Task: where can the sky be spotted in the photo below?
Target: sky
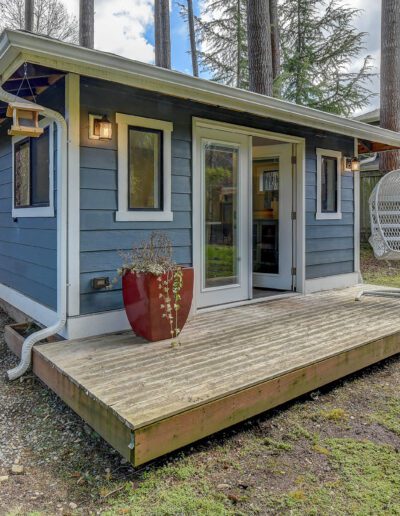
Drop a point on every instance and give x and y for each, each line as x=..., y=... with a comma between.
x=125, y=27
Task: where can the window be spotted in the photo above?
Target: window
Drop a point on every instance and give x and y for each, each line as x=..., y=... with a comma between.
x=33, y=176
x=328, y=184
x=144, y=169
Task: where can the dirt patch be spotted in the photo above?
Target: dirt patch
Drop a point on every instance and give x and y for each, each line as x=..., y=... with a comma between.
x=333, y=452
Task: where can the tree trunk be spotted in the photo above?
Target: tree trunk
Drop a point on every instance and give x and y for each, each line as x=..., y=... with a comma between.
x=275, y=44
x=86, y=23
x=192, y=36
x=29, y=7
x=390, y=78
x=259, y=47
x=162, y=33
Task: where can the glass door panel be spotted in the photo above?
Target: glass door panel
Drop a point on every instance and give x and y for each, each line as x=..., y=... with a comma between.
x=221, y=241
x=221, y=215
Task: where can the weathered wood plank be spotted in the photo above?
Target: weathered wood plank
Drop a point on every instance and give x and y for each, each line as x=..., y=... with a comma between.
x=170, y=434
x=100, y=417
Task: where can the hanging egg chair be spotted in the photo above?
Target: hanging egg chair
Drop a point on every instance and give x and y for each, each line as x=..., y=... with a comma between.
x=384, y=210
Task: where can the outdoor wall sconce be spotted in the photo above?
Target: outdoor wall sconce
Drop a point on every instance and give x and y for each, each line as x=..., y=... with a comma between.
x=351, y=164
x=355, y=165
x=100, y=127
x=25, y=117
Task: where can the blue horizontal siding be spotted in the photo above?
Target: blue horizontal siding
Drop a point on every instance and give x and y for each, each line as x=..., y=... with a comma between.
x=28, y=246
x=102, y=236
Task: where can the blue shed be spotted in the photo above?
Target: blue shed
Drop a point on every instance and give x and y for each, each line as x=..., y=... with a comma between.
x=253, y=191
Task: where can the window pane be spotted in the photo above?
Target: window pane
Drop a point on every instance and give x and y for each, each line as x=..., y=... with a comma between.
x=329, y=168
x=22, y=174
x=221, y=214
x=40, y=169
x=145, y=169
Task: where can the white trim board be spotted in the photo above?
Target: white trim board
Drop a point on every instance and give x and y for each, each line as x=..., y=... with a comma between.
x=100, y=323
x=35, y=211
x=124, y=214
x=17, y=47
x=72, y=111
x=331, y=282
x=322, y=215
x=357, y=216
x=28, y=306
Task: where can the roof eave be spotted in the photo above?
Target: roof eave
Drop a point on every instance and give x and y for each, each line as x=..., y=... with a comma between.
x=102, y=65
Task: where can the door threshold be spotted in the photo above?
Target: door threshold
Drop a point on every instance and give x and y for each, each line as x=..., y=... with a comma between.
x=253, y=301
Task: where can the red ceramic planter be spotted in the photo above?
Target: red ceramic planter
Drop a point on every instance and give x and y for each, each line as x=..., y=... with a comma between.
x=142, y=304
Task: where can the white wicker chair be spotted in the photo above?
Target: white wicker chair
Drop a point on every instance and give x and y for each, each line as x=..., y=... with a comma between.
x=384, y=209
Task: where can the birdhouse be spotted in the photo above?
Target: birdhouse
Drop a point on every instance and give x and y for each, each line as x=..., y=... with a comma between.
x=25, y=117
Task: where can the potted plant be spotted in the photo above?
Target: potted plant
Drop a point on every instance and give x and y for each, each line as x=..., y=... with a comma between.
x=157, y=292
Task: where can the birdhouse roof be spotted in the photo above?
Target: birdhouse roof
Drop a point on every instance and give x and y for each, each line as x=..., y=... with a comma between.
x=23, y=105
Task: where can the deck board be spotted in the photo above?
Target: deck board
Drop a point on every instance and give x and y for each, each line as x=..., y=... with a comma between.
x=224, y=354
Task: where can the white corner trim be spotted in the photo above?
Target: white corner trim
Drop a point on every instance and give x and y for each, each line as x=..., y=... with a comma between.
x=357, y=215
x=319, y=215
x=28, y=306
x=100, y=323
x=35, y=211
x=124, y=214
x=331, y=282
x=72, y=115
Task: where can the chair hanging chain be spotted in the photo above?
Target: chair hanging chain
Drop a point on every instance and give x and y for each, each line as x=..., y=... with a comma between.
x=25, y=78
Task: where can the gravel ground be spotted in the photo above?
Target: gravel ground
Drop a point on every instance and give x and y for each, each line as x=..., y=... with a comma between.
x=65, y=464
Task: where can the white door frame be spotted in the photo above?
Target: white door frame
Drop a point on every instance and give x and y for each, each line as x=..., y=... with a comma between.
x=283, y=279
x=299, y=200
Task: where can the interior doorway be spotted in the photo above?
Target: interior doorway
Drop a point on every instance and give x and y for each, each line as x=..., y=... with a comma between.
x=272, y=214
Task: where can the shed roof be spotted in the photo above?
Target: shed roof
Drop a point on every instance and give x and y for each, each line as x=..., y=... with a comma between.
x=19, y=47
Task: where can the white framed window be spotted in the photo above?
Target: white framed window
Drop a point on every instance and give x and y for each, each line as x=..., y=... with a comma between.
x=329, y=199
x=144, y=169
x=33, y=174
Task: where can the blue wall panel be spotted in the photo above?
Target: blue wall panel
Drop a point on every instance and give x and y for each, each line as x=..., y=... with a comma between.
x=28, y=246
x=329, y=244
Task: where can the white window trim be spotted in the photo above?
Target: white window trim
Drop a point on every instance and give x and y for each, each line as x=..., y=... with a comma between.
x=331, y=154
x=36, y=211
x=123, y=213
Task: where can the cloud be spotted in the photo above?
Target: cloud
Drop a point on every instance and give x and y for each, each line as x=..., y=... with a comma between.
x=120, y=27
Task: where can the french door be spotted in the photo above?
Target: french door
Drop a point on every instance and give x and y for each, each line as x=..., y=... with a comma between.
x=221, y=221
x=272, y=217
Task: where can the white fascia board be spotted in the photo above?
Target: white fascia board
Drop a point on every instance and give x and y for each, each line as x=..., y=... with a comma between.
x=93, y=63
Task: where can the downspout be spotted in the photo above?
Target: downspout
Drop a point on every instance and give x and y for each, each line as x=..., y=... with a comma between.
x=62, y=172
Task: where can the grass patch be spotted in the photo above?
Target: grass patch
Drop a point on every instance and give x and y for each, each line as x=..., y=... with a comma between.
x=336, y=414
x=171, y=490
x=378, y=272
x=277, y=445
x=389, y=416
x=368, y=480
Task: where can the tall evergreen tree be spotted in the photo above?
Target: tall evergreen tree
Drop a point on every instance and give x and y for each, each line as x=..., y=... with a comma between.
x=259, y=47
x=222, y=33
x=319, y=43
x=162, y=33
x=390, y=78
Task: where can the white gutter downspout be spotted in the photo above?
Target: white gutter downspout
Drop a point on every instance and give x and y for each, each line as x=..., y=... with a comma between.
x=62, y=172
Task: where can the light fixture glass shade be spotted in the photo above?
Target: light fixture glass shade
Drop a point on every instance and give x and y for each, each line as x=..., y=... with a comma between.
x=103, y=128
x=355, y=165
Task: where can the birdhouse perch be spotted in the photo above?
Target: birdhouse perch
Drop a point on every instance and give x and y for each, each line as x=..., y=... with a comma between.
x=25, y=117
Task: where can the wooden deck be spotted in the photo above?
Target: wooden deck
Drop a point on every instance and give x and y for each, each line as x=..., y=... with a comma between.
x=147, y=399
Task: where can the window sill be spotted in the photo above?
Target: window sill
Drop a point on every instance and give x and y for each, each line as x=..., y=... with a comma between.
x=328, y=216
x=34, y=212
x=144, y=216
